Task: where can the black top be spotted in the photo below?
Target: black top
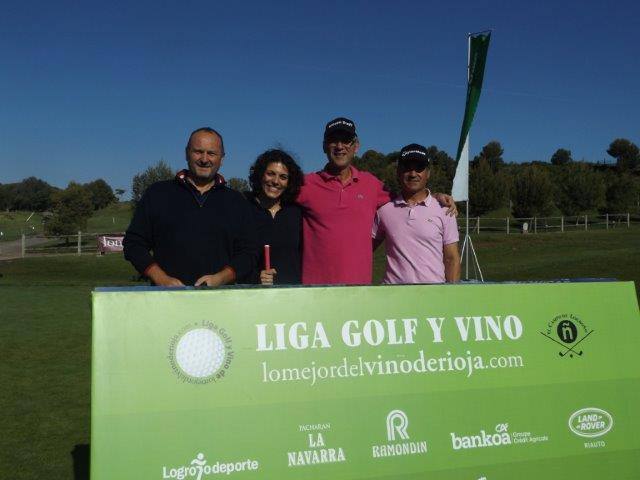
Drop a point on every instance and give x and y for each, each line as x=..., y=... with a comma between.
x=189, y=234
x=283, y=234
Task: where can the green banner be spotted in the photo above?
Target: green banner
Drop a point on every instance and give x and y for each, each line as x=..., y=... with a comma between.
x=478, y=48
x=496, y=381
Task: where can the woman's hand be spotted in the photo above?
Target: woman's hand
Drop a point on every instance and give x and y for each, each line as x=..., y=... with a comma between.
x=267, y=276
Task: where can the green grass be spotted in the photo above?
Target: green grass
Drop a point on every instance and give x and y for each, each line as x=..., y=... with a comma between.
x=611, y=253
x=14, y=224
x=45, y=373
x=45, y=331
x=112, y=219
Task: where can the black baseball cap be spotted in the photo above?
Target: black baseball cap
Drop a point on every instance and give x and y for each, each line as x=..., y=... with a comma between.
x=340, y=126
x=414, y=153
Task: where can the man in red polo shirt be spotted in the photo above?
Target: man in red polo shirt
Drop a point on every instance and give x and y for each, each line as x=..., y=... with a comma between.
x=339, y=204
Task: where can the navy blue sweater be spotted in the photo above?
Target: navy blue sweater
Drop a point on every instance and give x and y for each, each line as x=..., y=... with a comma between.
x=283, y=233
x=190, y=235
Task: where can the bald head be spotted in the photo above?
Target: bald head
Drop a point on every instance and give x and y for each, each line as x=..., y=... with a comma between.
x=205, y=130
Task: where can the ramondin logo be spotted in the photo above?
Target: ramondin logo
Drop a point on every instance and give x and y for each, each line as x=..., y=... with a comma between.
x=397, y=423
x=199, y=468
x=201, y=353
x=590, y=422
x=568, y=331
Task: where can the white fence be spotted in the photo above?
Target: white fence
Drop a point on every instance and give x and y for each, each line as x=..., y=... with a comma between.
x=82, y=242
x=29, y=245
x=561, y=224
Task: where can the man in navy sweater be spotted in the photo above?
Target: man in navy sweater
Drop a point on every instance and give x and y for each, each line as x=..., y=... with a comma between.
x=193, y=230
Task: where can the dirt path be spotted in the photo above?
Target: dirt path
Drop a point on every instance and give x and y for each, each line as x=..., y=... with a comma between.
x=13, y=249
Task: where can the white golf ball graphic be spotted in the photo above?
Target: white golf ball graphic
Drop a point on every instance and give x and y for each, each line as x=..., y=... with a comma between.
x=200, y=352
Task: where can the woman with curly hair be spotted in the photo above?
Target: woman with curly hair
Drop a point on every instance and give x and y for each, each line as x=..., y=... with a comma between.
x=275, y=180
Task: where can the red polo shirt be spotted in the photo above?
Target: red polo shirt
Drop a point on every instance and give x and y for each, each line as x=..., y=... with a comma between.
x=336, y=227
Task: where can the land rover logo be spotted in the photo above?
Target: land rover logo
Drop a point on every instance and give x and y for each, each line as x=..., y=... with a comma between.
x=590, y=422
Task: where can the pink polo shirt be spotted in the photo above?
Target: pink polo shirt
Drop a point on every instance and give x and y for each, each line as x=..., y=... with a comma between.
x=336, y=227
x=415, y=238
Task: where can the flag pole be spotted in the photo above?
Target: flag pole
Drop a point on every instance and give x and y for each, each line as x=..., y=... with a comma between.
x=465, y=245
x=475, y=73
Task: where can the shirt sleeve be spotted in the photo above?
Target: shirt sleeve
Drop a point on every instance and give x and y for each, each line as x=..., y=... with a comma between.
x=301, y=199
x=138, y=240
x=245, y=250
x=449, y=228
x=377, y=231
x=383, y=196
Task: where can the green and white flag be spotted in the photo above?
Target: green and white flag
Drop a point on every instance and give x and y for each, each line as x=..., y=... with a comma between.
x=478, y=48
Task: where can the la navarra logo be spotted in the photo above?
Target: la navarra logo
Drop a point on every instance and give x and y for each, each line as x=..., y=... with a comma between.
x=569, y=332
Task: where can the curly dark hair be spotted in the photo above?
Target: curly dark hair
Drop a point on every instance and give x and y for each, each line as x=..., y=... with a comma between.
x=296, y=177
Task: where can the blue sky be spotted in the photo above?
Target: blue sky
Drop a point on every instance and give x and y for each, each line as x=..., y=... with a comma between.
x=103, y=90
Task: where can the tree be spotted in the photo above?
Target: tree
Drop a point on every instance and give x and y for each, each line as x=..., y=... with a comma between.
x=142, y=181
x=4, y=197
x=580, y=189
x=621, y=194
x=31, y=194
x=239, y=184
x=381, y=165
x=626, y=154
x=101, y=193
x=492, y=152
x=442, y=168
x=72, y=208
x=487, y=190
x=532, y=192
x=561, y=156
x=372, y=162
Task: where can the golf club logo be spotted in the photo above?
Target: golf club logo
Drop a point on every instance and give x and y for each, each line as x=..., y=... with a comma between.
x=569, y=332
x=201, y=353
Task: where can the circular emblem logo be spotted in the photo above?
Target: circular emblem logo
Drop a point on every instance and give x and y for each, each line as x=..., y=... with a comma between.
x=567, y=331
x=201, y=353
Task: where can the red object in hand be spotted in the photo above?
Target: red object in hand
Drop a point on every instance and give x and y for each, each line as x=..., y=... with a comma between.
x=267, y=257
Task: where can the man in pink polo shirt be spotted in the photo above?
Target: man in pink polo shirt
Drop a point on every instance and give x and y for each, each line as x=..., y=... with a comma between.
x=338, y=206
x=421, y=239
